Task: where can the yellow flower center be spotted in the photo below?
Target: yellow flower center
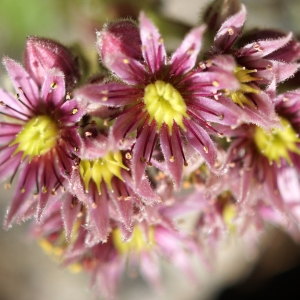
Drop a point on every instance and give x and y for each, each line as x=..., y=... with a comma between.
x=37, y=137
x=104, y=168
x=164, y=104
x=243, y=76
x=138, y=242
x=278, y=142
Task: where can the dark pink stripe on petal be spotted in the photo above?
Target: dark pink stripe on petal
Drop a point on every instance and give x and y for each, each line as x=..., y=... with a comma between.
x=21, y=79
x=53, y=89
x=230, y=30
x=201, y=141
x=173, y=157
x=184, y=58
x=153, y=48
x=110, y=94
x=24, y=191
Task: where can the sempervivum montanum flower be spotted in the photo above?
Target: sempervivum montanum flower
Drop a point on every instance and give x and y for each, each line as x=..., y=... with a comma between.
x=108, y=261
x=258, y=158
x=38, y=137
x=160, y=98
x=104, y=184
x=256, y=65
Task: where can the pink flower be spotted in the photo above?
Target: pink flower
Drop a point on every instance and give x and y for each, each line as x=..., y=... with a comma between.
x=38, y=135
x=159, y=98
x=255, y=65
x=103, y=182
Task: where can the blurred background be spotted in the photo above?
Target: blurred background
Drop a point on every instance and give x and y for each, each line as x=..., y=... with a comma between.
x=26, y=272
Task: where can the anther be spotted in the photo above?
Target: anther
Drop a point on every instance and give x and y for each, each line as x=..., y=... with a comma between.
x=143, y=159
x=44, y=190
x=53, y=85
x=22, y=190
x=230, y=31
x=128, y=155
x=104, y=99
x=205, y=149
x=88, y=133
x=68, y=96
x=221, y=116
x=126, y=61
x=161, y=41
x=7, y=186
x=172, y=158
x=74, y=111
x=215, y=83
x=257, y=47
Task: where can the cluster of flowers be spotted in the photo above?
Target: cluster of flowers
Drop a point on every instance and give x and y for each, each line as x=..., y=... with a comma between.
x=108, y=166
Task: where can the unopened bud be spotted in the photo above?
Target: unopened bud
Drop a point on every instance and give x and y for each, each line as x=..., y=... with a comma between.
x=42, y=54
x=218, y=11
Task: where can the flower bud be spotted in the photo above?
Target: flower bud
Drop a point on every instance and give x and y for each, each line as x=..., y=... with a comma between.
x=119, y=37
x=42, y=54
x=218, y=11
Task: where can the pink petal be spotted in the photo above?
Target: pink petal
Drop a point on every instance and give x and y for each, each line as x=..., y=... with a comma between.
x=22, y=200
x=70, y=210
x=174, y=158
x=110, y=94
x=71, y=112
x=263, y=48
x=21, y=79
x=8, y=132
x=201, y=141
x=53, y=89
x=99, y=218
x=185, y=57
x=230, y=30
x=144, y=189
x=12, y=107
x=153, y=48
x=283, y=71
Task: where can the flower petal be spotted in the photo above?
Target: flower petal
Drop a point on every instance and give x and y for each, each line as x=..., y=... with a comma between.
x=70, y=210
x=29, y=92
x=153, y=48
x=53, y=89
x=24, y=190
x=12, y=107
x=263, y=48
x=230, y=30
x=172, y=154
x=201, y=141
x=185, y=57
x=110, y=94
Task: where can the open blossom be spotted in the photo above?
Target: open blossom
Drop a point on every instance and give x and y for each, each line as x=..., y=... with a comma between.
x=106, y=262
x=255, y=65
x=104, y=184
x=159, y=98
x=38, y=135
x=258, y=159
